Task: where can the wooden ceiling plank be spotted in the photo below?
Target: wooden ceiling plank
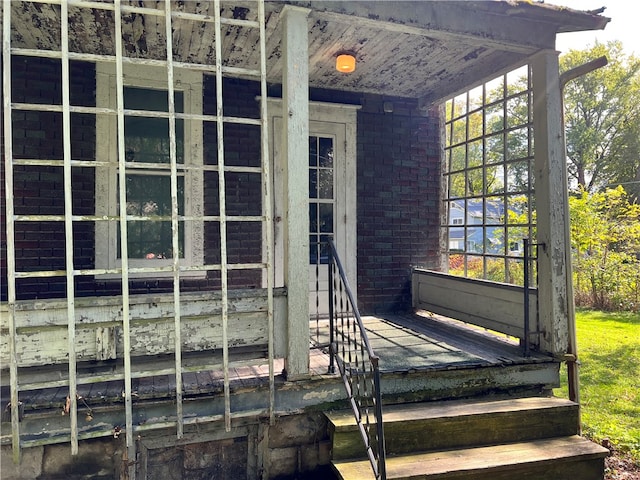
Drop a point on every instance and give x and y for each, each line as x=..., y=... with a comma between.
x=525, y=37
x=494, y=65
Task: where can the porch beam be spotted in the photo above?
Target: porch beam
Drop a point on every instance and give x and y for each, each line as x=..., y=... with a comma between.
x=295, y=141
x=551, y=193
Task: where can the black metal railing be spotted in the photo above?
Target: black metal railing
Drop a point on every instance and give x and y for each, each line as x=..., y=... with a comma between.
x=528, y=258
x=357, y=363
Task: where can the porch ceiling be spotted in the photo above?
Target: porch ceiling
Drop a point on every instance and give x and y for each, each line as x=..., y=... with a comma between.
x=428, y=50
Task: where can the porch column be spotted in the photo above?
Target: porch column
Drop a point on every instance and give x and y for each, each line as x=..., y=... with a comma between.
x=551, y=203
x=295, y=113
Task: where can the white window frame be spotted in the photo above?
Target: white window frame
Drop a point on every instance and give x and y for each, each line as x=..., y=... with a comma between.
x=190, y=83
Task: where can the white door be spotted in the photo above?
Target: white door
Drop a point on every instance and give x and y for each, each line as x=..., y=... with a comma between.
x=326, y=163
x=332, y=198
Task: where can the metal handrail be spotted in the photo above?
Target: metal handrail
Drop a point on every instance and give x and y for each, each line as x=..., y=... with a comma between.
x=358, y=364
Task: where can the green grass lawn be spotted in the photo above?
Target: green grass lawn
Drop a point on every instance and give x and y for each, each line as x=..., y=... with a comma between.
x=609, y=352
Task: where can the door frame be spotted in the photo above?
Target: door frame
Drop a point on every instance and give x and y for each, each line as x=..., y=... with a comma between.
x=340, y=120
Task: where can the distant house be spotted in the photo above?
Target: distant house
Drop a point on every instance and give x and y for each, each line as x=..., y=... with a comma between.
x=477, y=231
x=215, y=233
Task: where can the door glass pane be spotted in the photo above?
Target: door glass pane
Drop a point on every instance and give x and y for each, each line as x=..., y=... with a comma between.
x=326, y=152
x=325, y=183
x=321, y=197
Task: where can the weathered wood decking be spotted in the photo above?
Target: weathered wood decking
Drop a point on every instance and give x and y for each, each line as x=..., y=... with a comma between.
x=422, y=357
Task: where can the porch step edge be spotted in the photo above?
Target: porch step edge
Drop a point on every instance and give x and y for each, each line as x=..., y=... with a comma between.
x=459, y=424
x=344, y=419
x=563, y=458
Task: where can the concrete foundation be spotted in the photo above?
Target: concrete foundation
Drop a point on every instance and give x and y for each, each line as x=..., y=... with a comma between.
x=294, y=445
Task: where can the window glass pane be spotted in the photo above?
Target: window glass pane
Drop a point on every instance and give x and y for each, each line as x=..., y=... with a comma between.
x=518, y=210
x=475, y=267
x=495, y=149
x=493, y=211
x=518, y=144
x=458, y=160
x=150, y=196
x=457, y=185
x=456, y=239
x=494, y=240
x=475, y=154
x=517, y=176
x=517, y=111
x=456, y=213
x=475, y=182
x=495, y=269
x=475, y=98
x=147, y=139
x=494, y=180
x=460, y=104
x=459, y=131
x=494, y=89
x=494, y=118
x=475, y=124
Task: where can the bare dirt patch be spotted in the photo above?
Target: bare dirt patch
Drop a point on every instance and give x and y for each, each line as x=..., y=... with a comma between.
x=620, y=466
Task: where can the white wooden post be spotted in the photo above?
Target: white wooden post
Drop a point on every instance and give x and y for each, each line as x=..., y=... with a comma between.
x=551, y=192
x=296, y=152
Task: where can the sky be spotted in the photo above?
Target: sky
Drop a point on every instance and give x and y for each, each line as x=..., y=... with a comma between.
x=623, y=26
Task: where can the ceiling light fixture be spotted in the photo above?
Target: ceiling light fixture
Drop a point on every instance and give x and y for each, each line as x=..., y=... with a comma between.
x=345, y=62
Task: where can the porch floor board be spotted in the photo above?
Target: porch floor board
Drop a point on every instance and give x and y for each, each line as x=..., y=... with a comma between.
x=436, y=342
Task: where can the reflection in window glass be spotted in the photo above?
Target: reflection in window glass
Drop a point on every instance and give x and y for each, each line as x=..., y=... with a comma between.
x=149, y=189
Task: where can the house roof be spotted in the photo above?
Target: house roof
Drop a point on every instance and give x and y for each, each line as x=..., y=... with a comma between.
x=427, y=50
x=493, y=209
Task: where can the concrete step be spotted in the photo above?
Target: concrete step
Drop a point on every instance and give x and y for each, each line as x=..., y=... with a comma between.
x=454, y=424
x=565, y=458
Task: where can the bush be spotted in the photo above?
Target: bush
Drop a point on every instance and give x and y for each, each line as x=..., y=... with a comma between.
x=605, y=237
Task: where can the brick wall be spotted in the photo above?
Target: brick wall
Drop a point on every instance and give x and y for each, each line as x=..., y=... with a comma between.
x=243, y=191
x=398, y=201
x=40, y=190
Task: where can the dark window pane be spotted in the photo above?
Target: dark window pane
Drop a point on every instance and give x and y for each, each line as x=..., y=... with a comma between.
x=325, y=217
x=150, y=196
x=313, y=151
x=326, y=152
x=325, y=183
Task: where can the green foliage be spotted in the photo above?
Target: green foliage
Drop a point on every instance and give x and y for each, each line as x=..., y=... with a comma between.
x=605, y=236
x=602, y=118
x=609, y=353
x=487, y=268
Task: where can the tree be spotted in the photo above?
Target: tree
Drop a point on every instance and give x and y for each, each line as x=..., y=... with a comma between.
x=602, y=118
x=605, y=238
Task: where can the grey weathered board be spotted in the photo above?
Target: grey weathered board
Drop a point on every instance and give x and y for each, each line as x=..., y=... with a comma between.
x=492, y=305
x=42, y=334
